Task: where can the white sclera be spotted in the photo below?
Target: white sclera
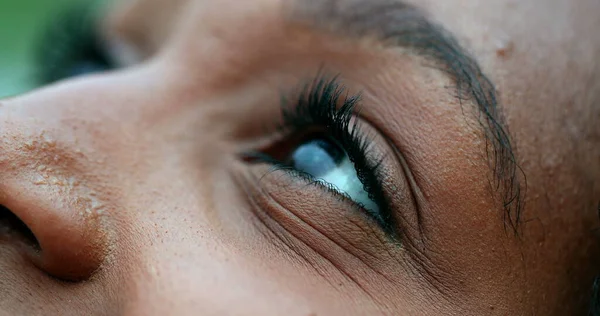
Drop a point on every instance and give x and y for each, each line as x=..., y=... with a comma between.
x=312, y=158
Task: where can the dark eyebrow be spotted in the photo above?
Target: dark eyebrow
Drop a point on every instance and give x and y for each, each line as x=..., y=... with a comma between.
x=399, y=24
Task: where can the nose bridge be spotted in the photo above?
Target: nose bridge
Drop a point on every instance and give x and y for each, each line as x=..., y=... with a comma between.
x=47, y=139
x=103, y=114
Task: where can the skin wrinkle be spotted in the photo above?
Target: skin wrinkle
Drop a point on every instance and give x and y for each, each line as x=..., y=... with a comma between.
x=415, y=163
x=284, y=237
x=418, y=243
x=273, y=199
x=433, y=274
x=415, y=194
x=253, y=197
x=423, y=270
x=325, y=256
x=400, y=24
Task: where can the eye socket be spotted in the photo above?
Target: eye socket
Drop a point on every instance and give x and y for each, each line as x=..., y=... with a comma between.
x=324, y=160
x=71, y=46
x=341, y=158
x=323, y=140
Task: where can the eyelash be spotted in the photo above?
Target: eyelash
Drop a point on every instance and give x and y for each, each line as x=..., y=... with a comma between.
x=317, y=107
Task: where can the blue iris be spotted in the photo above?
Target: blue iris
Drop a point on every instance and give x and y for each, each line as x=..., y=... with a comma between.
x=317, y=157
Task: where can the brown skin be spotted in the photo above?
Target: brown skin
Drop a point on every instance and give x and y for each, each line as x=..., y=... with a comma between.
x=132, y=183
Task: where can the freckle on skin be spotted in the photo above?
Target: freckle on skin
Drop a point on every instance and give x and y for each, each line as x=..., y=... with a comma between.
x=505, y=49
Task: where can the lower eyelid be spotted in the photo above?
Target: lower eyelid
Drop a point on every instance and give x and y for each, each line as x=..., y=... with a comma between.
x=299, y=181
x=309, y=201
x=312, y=220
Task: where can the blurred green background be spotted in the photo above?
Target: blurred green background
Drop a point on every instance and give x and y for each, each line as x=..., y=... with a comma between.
x=21, y=22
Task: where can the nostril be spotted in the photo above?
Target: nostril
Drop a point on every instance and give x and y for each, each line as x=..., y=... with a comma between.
x=14, y=229
x=55, y=237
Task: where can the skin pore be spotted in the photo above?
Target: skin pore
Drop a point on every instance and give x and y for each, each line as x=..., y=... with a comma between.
x=141, y=201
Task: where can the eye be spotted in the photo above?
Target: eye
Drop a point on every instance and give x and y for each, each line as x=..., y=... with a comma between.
x=71, y=46
x=324, y=143
x=324, y=160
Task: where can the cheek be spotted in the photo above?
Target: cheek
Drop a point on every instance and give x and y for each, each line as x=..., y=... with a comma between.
x=209, y=277
x=185, y=256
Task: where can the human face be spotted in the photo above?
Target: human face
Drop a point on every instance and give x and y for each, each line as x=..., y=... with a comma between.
x=474, y=190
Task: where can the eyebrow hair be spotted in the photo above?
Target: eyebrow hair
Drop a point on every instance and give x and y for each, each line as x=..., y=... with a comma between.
x=403, y=25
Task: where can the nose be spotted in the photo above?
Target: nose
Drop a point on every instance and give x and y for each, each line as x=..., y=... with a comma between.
x=47, y=213
x=50, y=236
x=70, y=155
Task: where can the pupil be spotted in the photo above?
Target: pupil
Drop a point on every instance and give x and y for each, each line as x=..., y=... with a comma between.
x=317, y=157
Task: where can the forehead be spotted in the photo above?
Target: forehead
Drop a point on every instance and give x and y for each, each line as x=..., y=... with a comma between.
x=510, y=39
x=495, y=25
